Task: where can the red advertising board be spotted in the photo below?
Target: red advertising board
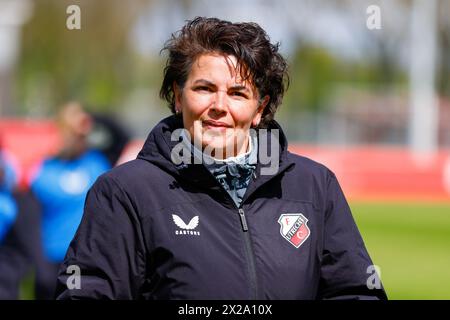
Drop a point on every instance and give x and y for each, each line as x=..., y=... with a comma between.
x=365, y=172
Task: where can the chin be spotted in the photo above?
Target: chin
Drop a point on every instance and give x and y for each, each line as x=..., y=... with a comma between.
x=217, y=148
x=217, y=139
x=214, y=143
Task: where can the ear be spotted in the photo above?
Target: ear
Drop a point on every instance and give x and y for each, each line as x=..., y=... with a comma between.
x=177, y=92
x=257, y=118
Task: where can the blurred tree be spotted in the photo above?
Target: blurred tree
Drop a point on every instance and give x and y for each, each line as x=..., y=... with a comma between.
x=316, y=73
x=443, y=70
x=93, y=64
x=312, y=71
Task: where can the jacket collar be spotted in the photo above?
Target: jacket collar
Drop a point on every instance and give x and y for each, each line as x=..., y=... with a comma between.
x=159, y=144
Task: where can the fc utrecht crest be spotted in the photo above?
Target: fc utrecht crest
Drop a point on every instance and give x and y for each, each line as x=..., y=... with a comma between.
x=294, y=228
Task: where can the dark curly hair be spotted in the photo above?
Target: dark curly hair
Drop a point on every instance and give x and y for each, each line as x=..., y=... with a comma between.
x=248, y=42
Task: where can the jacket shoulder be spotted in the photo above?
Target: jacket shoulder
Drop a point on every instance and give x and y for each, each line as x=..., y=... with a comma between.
x=311, y=167
x=134, y=173
x=311, y=177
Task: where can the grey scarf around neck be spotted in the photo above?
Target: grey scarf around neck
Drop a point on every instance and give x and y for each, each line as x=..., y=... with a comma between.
x=234, y=173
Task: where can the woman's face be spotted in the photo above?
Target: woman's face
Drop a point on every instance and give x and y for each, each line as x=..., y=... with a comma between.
x=218, y=108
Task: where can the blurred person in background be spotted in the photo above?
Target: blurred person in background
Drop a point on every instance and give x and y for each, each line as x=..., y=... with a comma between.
x=13, y=260
x=109, y=136
x=227, y=226
x=8, y=206
x=60, y=184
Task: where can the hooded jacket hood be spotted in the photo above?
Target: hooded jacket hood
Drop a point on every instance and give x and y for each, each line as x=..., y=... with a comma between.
x=159, y=145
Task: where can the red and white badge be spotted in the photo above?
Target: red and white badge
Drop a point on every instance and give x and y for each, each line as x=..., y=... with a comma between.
x=294, y=228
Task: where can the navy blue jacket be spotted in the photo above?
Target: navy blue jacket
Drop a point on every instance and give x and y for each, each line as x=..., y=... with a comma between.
x=155, y=230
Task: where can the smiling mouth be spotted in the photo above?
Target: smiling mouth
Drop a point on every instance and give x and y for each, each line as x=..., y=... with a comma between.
x=215, y=124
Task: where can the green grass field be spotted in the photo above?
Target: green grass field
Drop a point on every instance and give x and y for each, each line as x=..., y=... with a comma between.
x=409, y=242
x=411, y=245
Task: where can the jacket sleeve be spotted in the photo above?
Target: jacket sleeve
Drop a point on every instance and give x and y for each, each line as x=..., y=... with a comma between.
x=107, y=251
x=346, y=268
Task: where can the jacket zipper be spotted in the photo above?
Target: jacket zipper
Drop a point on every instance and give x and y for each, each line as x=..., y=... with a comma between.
x=248, y=246
x=250, y=256
x=248, y=249
x=243, y=220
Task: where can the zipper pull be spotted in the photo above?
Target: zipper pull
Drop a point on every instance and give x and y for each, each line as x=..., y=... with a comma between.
x=243, y=221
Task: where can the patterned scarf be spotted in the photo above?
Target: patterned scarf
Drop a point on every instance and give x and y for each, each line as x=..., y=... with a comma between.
x=234, y=173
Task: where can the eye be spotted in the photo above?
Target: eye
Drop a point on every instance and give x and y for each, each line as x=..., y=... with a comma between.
x=203, y=88
x=239, y=94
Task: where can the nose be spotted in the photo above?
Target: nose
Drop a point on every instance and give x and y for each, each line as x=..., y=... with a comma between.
x=219, y=105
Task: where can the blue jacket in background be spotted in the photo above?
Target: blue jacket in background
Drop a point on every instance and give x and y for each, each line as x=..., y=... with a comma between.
x=61, y=186
x=8, y=206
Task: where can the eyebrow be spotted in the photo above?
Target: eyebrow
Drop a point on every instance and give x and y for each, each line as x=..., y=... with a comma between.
x=240, y=88
x=203, y=81
x=209, y=83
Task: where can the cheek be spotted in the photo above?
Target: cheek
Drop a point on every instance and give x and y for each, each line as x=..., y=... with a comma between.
x=195, y=104
x=243, y=116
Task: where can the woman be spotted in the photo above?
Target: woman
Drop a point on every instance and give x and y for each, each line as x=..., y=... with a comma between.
x=198, y=214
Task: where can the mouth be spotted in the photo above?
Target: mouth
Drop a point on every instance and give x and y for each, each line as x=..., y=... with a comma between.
x=211, y=124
